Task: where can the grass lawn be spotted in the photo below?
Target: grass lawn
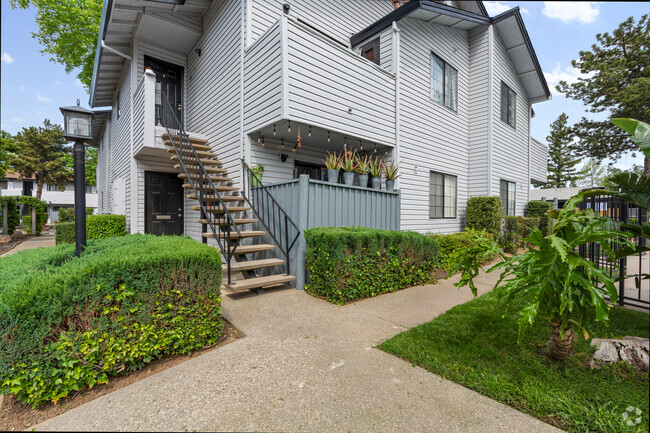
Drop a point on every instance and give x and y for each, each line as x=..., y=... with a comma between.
x=473, y=345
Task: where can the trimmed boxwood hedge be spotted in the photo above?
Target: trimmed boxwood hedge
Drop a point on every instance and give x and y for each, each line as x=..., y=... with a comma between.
x=97, y=227
x=348, y=263
x=66, y=214
x=68, y=323
x=536, y=208
x=452, y=242
x=484, y=213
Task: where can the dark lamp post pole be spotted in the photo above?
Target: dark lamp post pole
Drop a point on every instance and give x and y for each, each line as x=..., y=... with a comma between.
x=78, y=128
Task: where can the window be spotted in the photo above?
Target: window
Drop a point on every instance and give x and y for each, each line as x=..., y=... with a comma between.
x=508, y=105
x=442, y=195
x=4, y=184
x=444, y=83
x=91, y=189
x=53, y=187
x=508, y=196
x=371, y=51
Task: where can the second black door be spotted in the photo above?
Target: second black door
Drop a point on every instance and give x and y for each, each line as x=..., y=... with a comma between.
x=163, y=204
x=169, y=81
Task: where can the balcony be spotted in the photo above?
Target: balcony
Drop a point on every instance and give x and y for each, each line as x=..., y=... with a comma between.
x=293, y=72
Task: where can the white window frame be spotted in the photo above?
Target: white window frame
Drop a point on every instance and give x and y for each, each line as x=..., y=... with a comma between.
x=449, y=99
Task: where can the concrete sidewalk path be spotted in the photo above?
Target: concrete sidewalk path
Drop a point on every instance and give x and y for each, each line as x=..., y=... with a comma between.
x=45, y=239
x=307, y=365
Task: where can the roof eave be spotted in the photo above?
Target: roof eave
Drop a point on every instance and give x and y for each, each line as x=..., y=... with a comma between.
x=108, y=4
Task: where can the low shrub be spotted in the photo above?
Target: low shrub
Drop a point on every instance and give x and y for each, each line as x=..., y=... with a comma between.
x=68, y=323
x=454, y=242
x=515, y=230
x=66, y=214
x=41, y=219
x=348, y=263
x=13, y=217
x=536, y=208
x=484, y=213
x=97, y=227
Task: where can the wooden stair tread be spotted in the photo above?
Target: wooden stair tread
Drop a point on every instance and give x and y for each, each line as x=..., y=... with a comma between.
x=212, y=178
x=190, y=154
x=230, y=209
x=192, y=139
x=249, y=249
x=207, y=169
x=238, y=221
x=219, y=188
x=194, y=145
x=225, y=198
x=253, y=264
x=203, y=161
x=235, y=235
x=259, y=282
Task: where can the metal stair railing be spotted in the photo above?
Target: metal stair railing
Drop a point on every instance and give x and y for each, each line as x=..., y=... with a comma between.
x=271, y=215
x=213, y=208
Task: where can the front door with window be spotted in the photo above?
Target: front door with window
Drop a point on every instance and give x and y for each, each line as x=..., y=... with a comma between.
x=169, y=83
x=163, y=204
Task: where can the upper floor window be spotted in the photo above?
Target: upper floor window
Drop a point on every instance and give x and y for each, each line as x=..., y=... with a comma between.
x=508, y=197
x=508, y=105
x=370, y=51
x=91, y=189
x=444, y=83
x=53, y=187
x=442, y=195
x=4, y=184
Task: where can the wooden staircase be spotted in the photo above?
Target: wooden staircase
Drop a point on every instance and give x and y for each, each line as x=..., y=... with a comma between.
x=185, y=154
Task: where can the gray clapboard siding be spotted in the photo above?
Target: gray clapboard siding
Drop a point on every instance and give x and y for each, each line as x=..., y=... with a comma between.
x=509, y=145
x=325, y=80
x=338, y=18
x=138, y=118
x=433, y=137
x=538, y=160
x=386, y=49
x=263, y=78
x=213, y=90
x=103, y=172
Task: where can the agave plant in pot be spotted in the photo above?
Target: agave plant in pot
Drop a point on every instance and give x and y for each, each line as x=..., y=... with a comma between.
x=363, y=165
x=374, y=170
x=349, y=165
x=391, y=174
x=332, y=164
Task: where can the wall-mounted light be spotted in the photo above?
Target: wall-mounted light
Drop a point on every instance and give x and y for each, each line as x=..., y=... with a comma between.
x=285, y=8
x=283, y=157
x=198, y=52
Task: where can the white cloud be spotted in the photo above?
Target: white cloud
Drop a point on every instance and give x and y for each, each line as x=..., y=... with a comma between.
x=6, y=58
x=18, y=119
x=495, y=8
x=566, y=11
x=569, y=74
x=78, y=83
x=58, y=83
x=41, y=98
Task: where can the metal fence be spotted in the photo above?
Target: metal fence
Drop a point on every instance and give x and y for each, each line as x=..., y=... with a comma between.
x=633, y=290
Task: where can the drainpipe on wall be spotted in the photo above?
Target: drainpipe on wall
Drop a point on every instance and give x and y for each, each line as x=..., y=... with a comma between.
x=396, y=70
x=490, y=107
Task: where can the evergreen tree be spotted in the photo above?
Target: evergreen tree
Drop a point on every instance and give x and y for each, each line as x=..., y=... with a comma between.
x=593, y=174
x=41, y=155
x=8, y=149
x=562, y=162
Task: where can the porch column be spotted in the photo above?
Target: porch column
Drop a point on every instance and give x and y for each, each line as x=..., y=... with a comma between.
x=299, y=265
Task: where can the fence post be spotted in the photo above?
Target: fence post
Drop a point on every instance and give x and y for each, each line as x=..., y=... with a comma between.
x=5, y=221
x=33, y=220
x=301, y=245
x=622, y=263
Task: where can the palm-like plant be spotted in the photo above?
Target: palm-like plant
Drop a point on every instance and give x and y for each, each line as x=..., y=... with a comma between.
x=391, y=171
x=376, y=166
x=349, y=160
x=363, y=164
x=332, y=161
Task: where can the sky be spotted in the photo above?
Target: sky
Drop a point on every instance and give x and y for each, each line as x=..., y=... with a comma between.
x=33, y=87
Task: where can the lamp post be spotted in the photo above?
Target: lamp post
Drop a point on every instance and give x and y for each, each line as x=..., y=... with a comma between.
x=77, y=127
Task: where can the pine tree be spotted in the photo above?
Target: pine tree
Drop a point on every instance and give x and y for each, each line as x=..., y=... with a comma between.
x=562, y=162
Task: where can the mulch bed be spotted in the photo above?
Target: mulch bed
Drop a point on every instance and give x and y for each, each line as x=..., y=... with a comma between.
x=5, y=248
x=16, y=416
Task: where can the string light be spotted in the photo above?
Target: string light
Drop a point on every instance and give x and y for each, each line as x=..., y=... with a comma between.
x=375, y=151
x=361, y=145
x=289, y=130
x=274, y=131
x=309, y=134
x=345, y=141
x=328, y=136
x=262, y=142
x=282, y=144
x=259, y=137
x=295, y=147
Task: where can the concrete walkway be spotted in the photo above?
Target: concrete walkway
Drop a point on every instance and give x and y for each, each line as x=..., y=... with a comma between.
x=307, y=365
x=46, y=239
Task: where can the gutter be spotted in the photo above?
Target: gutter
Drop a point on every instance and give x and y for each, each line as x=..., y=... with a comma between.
x=108, y=6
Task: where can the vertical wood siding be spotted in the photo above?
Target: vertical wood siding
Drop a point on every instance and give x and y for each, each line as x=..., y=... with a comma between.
x=433, y=137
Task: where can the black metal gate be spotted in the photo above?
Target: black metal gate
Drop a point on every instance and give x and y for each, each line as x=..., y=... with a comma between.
x=633, y=290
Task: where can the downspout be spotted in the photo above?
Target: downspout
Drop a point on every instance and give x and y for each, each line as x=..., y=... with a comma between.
x=135, y=204
x=490, y=107
x=244, y=147
x=529, y=141
x=114, y=51
x=396, y=71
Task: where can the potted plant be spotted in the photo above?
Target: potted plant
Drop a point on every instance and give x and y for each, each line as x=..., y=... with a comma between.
x=332, y=164
x=374, y=170
x=257, y=171
x=349, y=166
x=391, y=174
x=363, y=165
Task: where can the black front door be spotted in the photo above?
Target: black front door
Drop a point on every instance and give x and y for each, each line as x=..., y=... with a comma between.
x=28, y=187
x=163, y=204
x=169, y=82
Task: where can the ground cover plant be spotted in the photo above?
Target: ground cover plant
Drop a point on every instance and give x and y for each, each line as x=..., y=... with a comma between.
x=350, y=263
x=475, y=345
x=67, y=323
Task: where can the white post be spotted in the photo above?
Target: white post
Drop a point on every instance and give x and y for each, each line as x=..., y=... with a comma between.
x=33, y=221
x=149, y=127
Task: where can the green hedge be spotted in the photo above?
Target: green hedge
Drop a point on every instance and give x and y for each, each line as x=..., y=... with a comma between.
x=41, y=219
x=347, y=263
x=13, y=217
x=452, y=242
x=484, y=213
x=66, y=214
x=97, y=227
x=515, y=230
x=68, y=323
x=536, y=208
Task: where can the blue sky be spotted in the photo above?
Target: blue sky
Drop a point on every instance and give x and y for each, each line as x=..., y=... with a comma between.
x=33, y=87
